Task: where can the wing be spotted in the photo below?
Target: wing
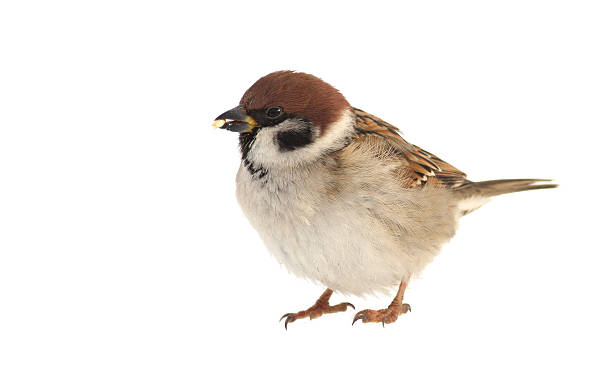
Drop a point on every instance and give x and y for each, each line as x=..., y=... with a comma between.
x=421, y=166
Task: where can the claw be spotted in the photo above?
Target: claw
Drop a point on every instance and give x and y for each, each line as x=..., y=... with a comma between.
x=285, y=315
x=357, y=316
x=351, y=305
x=290, y=318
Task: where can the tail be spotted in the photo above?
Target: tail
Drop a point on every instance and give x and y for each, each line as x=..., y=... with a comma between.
x=475, y=194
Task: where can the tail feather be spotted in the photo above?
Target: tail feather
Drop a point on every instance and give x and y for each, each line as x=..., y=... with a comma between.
x=503, y=186
x=475, y=194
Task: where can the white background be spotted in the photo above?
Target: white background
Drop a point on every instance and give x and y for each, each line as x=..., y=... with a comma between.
x=123, y=250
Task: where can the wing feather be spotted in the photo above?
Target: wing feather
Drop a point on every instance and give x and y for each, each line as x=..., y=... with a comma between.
x=421, y=167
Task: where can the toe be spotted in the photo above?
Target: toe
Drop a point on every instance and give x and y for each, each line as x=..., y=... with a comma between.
x=340, y=308
x=346, y=305
x=315, y=314
x=389, y=318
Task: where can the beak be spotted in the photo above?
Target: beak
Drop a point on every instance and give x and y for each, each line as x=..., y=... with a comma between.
x=235, y=120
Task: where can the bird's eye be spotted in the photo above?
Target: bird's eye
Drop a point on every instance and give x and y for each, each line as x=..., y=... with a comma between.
x=274, y=112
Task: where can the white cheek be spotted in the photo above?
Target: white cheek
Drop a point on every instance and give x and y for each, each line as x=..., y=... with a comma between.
x=265, y=151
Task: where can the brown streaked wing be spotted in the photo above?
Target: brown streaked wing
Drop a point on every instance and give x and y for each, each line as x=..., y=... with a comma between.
x=421, y=167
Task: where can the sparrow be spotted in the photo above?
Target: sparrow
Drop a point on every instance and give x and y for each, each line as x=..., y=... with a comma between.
x=339, y=197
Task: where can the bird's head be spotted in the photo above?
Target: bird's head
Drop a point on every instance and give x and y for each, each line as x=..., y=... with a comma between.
x=287, y=117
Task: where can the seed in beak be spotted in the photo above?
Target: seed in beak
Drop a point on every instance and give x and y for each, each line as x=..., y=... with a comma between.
x=218, y=123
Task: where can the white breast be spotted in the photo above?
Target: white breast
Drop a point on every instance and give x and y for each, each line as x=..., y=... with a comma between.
x=345, y=242
x=314, y=237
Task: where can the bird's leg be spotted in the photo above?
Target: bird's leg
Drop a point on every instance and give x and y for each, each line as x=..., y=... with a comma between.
x=388, y=315
x=318, y=309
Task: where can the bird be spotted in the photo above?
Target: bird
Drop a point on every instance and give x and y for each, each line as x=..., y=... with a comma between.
x=339, y=197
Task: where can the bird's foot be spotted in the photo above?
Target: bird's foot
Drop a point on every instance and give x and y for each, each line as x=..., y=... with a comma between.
x=388, y=315
x=320, y=308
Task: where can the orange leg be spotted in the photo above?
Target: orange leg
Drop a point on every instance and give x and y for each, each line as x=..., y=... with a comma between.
x=388, y=315
x=318, y=309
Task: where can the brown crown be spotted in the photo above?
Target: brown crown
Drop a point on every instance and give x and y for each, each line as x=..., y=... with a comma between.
x=300, y=94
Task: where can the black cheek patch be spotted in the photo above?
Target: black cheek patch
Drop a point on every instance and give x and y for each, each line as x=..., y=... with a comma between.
x=293, y=139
